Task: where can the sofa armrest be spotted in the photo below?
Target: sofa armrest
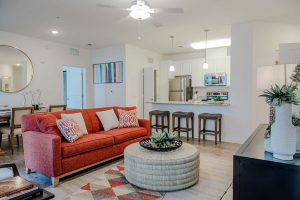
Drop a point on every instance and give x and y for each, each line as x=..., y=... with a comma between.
x=42, y=153
x=146, y=124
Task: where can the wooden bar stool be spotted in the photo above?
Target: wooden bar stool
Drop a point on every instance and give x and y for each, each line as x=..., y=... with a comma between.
x=159, y=114
x=183, y=115
x=217, y=118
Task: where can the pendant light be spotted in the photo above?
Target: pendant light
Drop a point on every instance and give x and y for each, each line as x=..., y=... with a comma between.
x=172, y=68
x=205, y=64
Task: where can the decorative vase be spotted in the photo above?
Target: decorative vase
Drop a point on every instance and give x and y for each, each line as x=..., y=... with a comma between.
x=267, y=145
x=283, y=137
x=298, y=139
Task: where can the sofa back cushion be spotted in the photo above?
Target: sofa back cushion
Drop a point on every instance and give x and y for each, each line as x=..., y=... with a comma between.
x=92, y=122
x=85, y=116
x=117, y=108
x=96, y=124
x=29, y=123
x=47, y=124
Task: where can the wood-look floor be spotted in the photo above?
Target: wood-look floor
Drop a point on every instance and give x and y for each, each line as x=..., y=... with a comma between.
x=216, y=170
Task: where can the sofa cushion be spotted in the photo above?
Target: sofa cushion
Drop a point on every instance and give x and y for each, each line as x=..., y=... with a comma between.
x=96, y=125
x=47, y=124
x=124, y=134
x=85, y=116
x=78, y=118
x=108, y=119
x=86, y=143
x=123, y=108
x=69, y=129
x=29, y=122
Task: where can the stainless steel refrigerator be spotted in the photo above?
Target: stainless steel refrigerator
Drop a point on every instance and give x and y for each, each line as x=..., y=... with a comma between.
x=180, y=88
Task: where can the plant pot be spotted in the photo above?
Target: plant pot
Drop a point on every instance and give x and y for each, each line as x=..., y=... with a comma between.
x=283, y=137
x=267, y=145
x=298, y=139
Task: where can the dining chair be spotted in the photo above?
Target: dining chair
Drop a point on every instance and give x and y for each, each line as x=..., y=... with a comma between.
x=14, y=129
x=57, y=108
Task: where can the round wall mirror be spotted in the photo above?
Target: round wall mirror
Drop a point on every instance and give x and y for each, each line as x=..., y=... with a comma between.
x=16, y=69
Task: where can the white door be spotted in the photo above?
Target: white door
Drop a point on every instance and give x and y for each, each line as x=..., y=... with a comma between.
x=73, y=87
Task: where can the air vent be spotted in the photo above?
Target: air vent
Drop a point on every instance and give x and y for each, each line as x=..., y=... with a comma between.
x=150, y=60
x=74, y=52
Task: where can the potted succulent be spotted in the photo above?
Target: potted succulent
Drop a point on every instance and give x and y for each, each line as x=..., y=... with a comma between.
x=283, y=139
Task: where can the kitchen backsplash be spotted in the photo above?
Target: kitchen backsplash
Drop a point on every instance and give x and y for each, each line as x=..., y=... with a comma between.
x=203, y=90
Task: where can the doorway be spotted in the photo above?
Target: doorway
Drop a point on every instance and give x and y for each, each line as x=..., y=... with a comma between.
x=74, y=87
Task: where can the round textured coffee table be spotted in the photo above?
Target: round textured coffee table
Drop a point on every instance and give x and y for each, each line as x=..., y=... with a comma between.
x=162, y=171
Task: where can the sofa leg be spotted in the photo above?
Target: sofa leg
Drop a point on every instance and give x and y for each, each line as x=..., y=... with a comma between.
x=28, y=171
x=55, y=181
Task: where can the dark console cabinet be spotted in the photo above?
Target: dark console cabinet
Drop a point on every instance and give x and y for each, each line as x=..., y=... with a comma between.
x=259, y=176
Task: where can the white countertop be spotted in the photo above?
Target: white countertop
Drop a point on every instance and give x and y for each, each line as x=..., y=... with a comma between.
x=201, y=103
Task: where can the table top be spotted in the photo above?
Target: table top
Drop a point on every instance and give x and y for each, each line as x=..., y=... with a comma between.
x=183, y=154
x=254, y=148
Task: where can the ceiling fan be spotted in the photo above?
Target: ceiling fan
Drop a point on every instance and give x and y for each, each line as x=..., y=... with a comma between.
x=140, y=10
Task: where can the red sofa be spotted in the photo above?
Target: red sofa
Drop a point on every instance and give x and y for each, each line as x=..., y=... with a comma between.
x=52, y=156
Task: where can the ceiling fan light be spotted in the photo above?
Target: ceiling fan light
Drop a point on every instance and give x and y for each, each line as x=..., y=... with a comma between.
x=172, y=68
x=205, y=65
x=139, y=14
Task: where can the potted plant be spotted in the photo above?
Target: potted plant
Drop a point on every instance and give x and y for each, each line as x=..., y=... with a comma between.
x=267, y=139
x=283, y=138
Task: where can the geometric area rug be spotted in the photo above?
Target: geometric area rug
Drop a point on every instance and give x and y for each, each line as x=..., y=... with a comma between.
x=114, y=186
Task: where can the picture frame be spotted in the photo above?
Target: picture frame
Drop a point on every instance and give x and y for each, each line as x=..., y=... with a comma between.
x=111, y=72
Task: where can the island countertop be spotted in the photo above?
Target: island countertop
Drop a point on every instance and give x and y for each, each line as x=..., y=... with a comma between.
x=203, y=103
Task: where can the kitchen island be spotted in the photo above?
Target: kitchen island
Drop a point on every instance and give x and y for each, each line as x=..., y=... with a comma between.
x=197, y=107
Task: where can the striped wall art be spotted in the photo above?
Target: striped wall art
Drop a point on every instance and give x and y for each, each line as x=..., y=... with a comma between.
x=108, y=72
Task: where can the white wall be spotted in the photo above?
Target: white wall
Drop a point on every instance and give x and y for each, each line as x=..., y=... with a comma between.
x=266, y=40
x=254, y=44
x=48, y=59
x=137, y=59
x=113, y=94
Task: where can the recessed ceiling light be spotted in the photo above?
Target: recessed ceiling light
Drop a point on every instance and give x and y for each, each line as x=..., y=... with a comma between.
x=18, y=65
x=54, y=32
x=212, y=44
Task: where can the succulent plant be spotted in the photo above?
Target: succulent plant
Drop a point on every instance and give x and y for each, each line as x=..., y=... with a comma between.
x=163, y=139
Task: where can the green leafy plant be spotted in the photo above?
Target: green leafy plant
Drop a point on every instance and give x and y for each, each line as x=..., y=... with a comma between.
x=296, y=119
x=268, y=132
x=276, y=96
x=216, y=98
x=296, y=75
x=163, y=139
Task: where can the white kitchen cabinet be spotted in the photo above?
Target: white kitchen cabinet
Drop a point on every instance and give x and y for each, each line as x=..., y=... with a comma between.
x=186, y=67
x=197, y=73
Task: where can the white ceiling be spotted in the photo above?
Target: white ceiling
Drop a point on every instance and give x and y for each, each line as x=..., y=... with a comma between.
x=80, y=22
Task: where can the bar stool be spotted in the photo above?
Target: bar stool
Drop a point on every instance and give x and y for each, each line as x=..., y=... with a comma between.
x=217, y=118
x=162, y=115
x=179, y=128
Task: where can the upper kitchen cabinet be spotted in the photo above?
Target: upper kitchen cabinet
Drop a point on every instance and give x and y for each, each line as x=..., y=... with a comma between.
x=197, y=73
x=186, y=67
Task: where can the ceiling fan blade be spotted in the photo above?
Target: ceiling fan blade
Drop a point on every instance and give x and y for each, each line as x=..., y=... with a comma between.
x=155, y=23
x=108, y=6
x=169, y=10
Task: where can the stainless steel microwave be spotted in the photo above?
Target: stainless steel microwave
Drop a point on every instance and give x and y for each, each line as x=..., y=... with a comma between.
x=215, y=79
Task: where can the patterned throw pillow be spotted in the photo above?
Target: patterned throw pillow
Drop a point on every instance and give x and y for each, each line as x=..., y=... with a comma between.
x=128, y=118
x=69, y=129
